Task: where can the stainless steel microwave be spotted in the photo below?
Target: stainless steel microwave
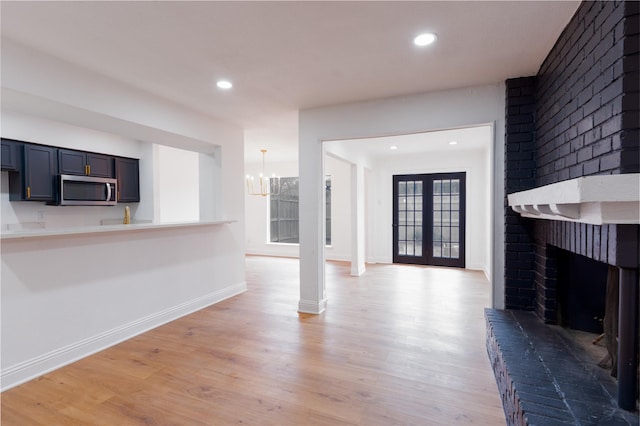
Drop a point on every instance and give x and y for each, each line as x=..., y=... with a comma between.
x=87, y=191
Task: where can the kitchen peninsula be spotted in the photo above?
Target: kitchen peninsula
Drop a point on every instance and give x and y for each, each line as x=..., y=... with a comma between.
x=69, y=292
x=73, y=287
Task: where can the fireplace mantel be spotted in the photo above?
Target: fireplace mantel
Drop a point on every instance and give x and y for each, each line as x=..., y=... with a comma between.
x=595, y=200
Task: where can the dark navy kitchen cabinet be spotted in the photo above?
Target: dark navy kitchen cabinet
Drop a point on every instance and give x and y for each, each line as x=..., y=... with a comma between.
x=9, y=155
x=71, y=162
x=34, y=170
x=100, y=165
x=128, y=175
x=35, y=179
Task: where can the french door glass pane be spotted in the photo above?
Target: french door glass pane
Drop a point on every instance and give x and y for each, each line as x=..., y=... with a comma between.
x=410, y=221
x=446, y=218
x=410, y=218
x=455, y=186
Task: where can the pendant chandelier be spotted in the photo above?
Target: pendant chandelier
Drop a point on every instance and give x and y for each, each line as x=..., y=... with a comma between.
x=263, y=183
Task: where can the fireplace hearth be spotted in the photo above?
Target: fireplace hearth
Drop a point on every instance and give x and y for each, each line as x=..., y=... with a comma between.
x=545, y=378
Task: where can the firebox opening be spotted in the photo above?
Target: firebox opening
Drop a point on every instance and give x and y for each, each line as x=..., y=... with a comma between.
x=582, y=288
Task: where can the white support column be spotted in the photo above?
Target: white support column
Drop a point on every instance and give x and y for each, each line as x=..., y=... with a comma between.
x=312, y=228
x=357, y=220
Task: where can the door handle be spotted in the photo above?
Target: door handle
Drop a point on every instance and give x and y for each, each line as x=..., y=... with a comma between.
x=108, y=191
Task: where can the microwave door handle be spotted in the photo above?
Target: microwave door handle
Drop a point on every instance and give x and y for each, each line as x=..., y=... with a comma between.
x=108, y=191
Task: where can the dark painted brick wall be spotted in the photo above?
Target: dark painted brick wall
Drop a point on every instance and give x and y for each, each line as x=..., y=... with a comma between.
x=519, y=175
x=580, y=97
x=546, y=283
x=585, y=110
x=630, y=137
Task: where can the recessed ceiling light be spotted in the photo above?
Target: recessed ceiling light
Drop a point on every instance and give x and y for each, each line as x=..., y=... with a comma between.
x=393, y=147
x=424, y=39
x=224, y=84
x=453, y=143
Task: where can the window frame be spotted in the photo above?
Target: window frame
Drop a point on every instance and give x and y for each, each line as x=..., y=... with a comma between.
x=296, y=219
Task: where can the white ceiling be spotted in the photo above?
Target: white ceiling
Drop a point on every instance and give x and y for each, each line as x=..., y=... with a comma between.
x=287, y=56
x=370, y=150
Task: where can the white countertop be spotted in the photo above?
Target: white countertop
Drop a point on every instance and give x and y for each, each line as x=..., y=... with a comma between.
x=99, y=229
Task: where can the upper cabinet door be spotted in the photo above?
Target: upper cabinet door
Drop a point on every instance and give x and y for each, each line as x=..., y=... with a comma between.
x=39, y=172
x=100, y=165
x=127, y=173
x=85, y=163
x=72, y=162
x=9, y=155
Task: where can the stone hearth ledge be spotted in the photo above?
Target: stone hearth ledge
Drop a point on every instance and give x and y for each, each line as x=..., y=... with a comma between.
x=100, y=229
x=596, y=200
x=545, y=378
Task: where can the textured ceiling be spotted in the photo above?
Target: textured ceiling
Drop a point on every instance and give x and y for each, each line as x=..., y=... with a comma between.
x=287, y=56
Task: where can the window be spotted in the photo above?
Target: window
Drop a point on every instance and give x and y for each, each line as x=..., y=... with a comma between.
x=284, y=211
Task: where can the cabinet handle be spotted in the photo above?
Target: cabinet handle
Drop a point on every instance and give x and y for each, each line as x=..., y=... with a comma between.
x=28, y=192
x=88, y=169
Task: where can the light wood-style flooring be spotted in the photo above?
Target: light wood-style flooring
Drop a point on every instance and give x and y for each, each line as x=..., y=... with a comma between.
x=399, y=345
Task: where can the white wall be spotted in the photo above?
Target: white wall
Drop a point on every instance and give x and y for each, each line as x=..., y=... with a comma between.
x=66, y=297
x=211, y=191
x=401, y=115
x=178, y=184
x=340, y=172
x=477, y=229
x=257, y=212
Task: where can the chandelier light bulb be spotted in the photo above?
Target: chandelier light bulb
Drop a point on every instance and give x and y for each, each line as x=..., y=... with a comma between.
x=264, y=183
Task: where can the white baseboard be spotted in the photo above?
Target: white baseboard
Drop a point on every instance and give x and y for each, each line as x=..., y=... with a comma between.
x=483, y=268
x=279, y=253
x=277, y=250
x=487, y=275
x=311, y=307
x=27, y=370
x=358, y=271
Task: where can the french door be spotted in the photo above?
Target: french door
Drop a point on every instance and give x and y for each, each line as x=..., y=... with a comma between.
x=429, y=218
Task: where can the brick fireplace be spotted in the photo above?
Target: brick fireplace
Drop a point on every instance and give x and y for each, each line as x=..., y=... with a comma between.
x=576, y=119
